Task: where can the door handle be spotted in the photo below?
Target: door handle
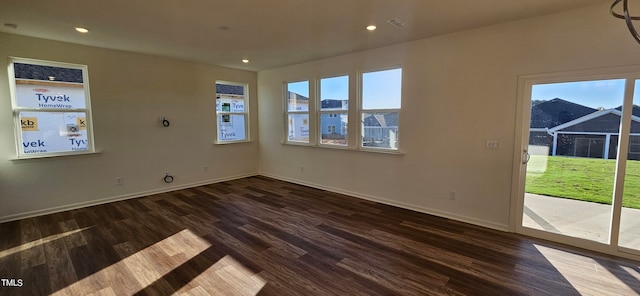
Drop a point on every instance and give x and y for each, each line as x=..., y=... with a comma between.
x=526, y=157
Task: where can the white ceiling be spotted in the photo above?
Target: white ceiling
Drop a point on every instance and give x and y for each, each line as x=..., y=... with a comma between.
x=271, y=33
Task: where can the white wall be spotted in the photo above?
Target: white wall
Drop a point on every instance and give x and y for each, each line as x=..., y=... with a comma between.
x=458, y=90
x=128, y=93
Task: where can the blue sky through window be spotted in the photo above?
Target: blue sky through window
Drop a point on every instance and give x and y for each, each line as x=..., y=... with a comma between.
x=596, y=93
x=636, y=93
x=334, y=88
x=300, y=87
x=380, y=89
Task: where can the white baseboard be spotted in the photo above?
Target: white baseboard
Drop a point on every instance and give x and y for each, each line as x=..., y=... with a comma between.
x=478, y=222
x=118, y=198
x=421, y=209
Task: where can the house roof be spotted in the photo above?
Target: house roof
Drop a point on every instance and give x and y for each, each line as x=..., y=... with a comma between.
x=549, y=114
x=606, y=121
x=228, y=89
x=333, y=104
x=298, y=97
x=381, y=119
x=40, y=72
x=635, y=112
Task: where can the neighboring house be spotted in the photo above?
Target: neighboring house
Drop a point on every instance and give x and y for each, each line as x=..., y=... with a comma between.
x=298, y=123
x=380, y=130
x=334, y=125
x=334, y=104
x=593, y=135
x=549, y=114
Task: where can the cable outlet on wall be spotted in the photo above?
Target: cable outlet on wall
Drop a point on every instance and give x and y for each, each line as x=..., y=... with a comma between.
x=119, y=181
x=452, y=195
x=205, y=169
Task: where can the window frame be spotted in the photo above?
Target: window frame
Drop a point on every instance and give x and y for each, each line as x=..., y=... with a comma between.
x=288, y=113
x=333, y=113
x=245, y=113
x=16, y=110
x=361, y=111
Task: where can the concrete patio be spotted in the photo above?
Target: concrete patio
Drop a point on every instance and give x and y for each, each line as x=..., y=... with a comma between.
x=580, y=219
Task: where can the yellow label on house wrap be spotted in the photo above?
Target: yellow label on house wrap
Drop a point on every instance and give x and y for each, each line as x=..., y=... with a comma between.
x=29, y=124
x=82, y=123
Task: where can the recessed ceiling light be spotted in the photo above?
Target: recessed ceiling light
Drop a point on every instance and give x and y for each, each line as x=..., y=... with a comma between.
x=82, y=30
x=245, y=61
x=371, y=27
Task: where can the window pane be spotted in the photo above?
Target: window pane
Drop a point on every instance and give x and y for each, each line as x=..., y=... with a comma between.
x=380, y=129
x=334, y=128
x=298, y=128
x=629, y=226
x=225, y=103
x=231, y=127
x=382, y=89
x=573, y=136
x=229, y=98
x=298, y=96
x=40, y=86
x=44, y=132
x=334, y=93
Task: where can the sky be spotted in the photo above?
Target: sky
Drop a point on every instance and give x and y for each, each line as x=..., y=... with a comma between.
x=381, y=89
x=594, y=94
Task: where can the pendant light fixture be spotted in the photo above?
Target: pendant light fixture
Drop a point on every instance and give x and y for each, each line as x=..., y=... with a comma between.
x=626, y=16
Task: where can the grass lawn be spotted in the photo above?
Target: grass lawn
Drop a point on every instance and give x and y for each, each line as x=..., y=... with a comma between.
x=587, y=179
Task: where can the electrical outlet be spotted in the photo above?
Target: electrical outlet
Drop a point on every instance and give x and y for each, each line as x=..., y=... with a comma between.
x=452, y=195
x=302, y=170
x=205, y=169
x=119, y=181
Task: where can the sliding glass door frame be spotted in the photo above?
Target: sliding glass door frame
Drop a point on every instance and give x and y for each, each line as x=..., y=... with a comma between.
x=521, y=156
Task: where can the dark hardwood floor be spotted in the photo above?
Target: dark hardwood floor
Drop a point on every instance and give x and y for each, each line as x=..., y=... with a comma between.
x=267, y=237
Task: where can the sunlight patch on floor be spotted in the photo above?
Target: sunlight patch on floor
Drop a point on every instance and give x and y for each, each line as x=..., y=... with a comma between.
x=587, y=275
x=147, y=268
x=226, y=277
x=39, y=242
x=143, y=268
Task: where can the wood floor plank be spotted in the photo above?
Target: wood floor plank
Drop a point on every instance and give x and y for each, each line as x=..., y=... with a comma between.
x=61, y=270
x=33, y=255
x=261, y=236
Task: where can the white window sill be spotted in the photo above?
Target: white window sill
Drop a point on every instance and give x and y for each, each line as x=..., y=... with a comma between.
x=231, y=142
x=45, y=157
x=346, y=148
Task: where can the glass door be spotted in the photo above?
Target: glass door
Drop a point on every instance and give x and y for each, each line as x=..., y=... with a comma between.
x=572, y=149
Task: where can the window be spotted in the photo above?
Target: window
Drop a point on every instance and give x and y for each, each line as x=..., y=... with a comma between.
x=297, y=97
x=51, y=108
x=380, y=112
x=232, y=112
x=334, y=107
